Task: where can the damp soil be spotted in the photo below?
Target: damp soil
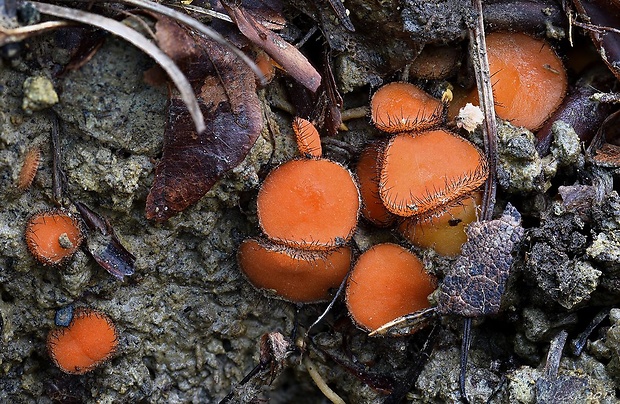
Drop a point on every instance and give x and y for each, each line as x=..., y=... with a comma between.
x=190, y=324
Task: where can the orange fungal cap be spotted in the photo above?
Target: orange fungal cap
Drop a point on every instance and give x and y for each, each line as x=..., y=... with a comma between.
x=529, y=79
x=387, y=282
x=403, y=107
x=53, y=236
x=308, y=139
x=90, y=340
x=294, y=275
x=423, y=173
x=367, y=171
x=444, y=233
x=310, y=204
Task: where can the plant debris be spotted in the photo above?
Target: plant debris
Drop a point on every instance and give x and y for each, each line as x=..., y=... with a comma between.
x=193, y=161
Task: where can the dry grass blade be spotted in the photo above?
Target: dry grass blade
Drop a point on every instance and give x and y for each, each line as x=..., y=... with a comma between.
x=485, y=94
x=8, y=35
x=203, y=29
x=132, y=36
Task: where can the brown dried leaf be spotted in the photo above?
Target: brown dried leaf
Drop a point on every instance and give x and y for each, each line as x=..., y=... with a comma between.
x=191, y=162
x=287, y=56
x=475, y=284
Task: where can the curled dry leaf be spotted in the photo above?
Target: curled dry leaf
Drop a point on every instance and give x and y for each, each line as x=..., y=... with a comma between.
x=287, y=56
x=192, y=162
x=104, y=245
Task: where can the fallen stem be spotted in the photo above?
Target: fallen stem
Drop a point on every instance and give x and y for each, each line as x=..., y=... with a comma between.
x=140, y=42
x=478, y=51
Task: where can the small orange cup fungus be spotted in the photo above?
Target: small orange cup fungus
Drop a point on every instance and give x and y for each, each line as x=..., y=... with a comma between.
x=294, y=275
x=421, y=174
x=403, y=107
x=529, y=79
x=367, y=171
x=387, y=282
x=53, y=236
x=308, y=139
x=90, y=340
x=32, y=159
x=444, y=233
x=310, y=204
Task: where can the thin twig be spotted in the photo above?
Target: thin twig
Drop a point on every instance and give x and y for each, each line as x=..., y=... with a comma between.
x=330, y=305
x=465, y=344
x=320, y=383
x=140, y=42
x=478, y=51
x=8, y=35
x=58, y=178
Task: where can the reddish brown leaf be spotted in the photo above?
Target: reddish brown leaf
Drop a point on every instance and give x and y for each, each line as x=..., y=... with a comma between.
x=287, y=56
x=191, y=163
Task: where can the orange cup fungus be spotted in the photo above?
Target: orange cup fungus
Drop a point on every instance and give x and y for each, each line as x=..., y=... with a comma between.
x=387, y=282
x=403, y=107
x=444, y=233
x=310, y=204
x=53, y=236
x=90, y=340
x=529, y=79
x=367, y=171
x=421, y=174
x=294, y=275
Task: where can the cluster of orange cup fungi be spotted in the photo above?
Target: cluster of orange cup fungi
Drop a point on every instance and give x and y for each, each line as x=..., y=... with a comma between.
x=53, y=237
x=422, y=175
x=89, y=341
x=307, y=210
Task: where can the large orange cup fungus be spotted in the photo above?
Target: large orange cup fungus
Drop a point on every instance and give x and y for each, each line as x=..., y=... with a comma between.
x=421, y=174
x=53, y=236
x=294, y=275
x=529, y=79
x=311, y=204
x=444, y=233
x=403, y=107
x=367, y=171
x=387, y=282
x=90, y=340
